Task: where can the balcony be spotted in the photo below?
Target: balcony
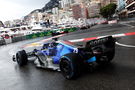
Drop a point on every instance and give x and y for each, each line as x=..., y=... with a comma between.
x=129, y=1
x=129, y=12
x=130, y=4
x=131, y=8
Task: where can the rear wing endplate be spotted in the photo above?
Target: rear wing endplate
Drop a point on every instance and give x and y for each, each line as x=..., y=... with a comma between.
x=109, y=40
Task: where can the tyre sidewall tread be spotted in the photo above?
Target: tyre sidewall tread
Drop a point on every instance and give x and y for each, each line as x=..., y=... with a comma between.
x=74, y=63
x=22, y=58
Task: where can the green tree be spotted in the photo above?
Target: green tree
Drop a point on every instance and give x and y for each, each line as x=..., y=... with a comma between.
x=108, y=10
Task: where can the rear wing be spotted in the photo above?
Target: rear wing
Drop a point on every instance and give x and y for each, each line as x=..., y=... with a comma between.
x=108, y=41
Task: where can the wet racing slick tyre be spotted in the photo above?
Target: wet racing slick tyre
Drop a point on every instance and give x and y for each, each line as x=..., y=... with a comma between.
x=106, y=58
x=70, y=66
x=21, y=58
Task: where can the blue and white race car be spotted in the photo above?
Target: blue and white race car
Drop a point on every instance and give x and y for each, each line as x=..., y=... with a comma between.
x=68, y=57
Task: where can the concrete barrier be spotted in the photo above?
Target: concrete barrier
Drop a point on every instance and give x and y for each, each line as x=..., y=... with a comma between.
x=17, y=39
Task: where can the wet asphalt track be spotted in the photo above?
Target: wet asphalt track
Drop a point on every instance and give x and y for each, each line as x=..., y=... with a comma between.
x=119, y=75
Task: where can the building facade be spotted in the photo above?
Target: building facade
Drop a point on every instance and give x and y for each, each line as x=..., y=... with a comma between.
x=91, y=8
x=94, y=9
x=121, y=11
x=64, y=12
x=66, y=4
x=130, y=6
x=106, y=2
x=1, y=24
x=77, y=11
x=80, y=11
x=121, y=5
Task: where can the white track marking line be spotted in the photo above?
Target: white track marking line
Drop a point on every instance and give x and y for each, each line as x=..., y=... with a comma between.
x=118, y=35
x=76, y=40
x=124, y=45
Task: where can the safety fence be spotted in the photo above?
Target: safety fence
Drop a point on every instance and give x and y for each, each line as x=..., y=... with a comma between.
x=32, y=36
x=46, y=33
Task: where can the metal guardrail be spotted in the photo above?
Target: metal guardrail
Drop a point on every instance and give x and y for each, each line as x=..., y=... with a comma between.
x=32, y=36
x=17, y=39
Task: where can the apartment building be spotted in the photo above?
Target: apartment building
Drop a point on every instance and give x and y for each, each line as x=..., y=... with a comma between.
x=1, y=24
x=130, y=6
x=106, y=2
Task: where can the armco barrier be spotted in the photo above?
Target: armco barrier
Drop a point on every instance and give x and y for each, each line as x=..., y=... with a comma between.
x=41, y=34
x=72, y=29
x=16, y=39
x=31, y=36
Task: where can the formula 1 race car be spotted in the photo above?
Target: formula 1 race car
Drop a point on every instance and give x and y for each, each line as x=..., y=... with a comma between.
x=68, y=57
x=58, y=32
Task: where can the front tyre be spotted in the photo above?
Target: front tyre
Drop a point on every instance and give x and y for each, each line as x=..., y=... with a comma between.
x=70, y=65
x=21, y=58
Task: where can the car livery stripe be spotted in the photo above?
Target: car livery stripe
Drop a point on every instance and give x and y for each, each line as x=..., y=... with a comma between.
x=91, y=38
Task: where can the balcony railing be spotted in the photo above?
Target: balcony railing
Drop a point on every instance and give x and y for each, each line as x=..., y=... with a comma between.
x=131, y=8
x=131, y=11
x=131, y=4
x=129, y=1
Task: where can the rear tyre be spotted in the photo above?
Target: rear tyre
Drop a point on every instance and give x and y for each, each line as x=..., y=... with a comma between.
x=70, y=65
x=21, y=58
